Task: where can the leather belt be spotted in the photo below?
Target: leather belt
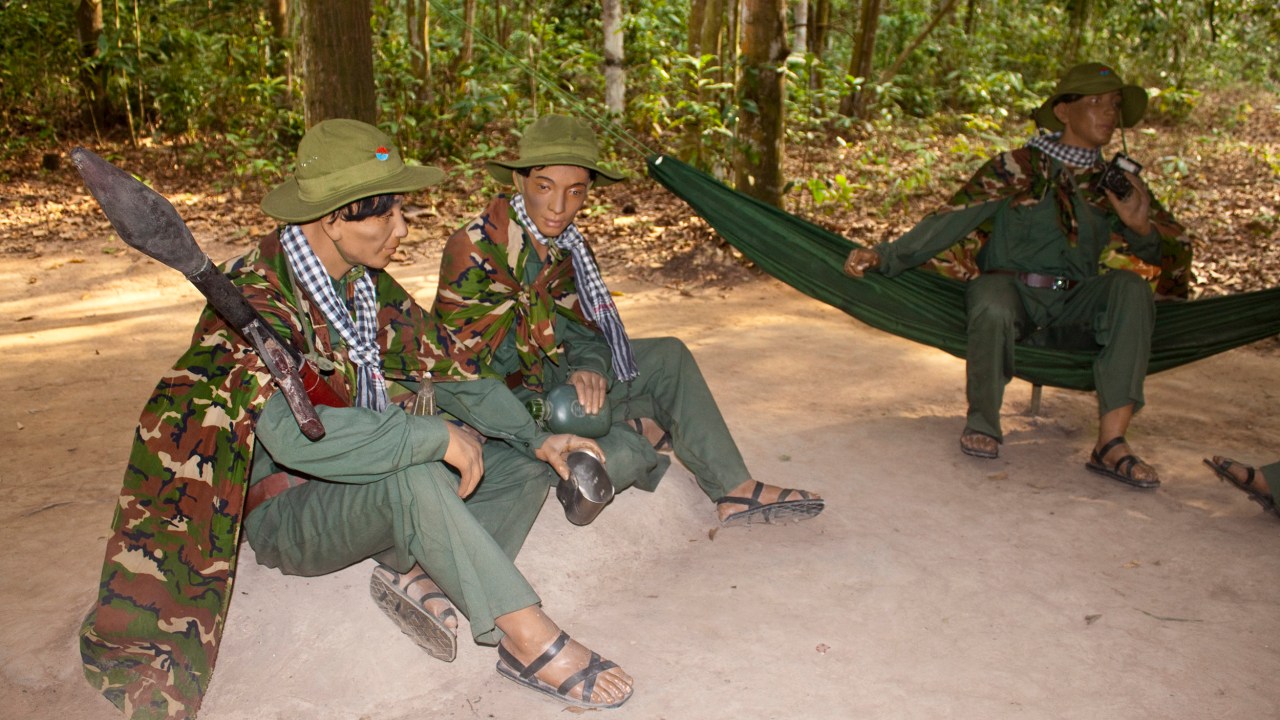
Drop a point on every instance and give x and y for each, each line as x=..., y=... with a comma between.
x=269, y=487
x=1040, y=281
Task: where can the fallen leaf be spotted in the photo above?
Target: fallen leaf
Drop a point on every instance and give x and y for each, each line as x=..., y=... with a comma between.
x=822, y=648
x=1091, y=619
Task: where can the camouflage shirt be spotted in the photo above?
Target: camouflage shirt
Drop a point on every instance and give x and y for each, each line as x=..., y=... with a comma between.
x=1025, y=176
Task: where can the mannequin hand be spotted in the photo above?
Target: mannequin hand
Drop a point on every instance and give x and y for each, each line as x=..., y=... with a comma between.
x=591, y=387
x=1135, y=210
x=557, y=447
x=861, y=260
x=463, y=455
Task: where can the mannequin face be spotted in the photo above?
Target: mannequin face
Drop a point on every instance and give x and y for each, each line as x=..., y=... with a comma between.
x=1091, y=120
x=370, y=242
x=553, y=195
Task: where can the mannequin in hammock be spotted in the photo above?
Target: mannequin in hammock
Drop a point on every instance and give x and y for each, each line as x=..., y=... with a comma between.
x=522, y=299
x=1045, y=226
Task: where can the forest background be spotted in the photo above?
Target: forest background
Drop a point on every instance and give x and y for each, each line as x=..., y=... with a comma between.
x=859, y=115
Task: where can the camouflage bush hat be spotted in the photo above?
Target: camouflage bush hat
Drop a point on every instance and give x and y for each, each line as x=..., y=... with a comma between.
x=556, y=140
x=1093, y=79
x=340, y=161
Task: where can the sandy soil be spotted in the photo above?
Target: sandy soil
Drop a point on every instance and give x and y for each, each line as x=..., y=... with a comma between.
x=934, y=586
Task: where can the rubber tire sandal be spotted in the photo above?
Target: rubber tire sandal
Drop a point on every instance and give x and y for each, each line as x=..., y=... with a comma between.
x=802, y=508
x=526, y=675
x=1223, y=472
x=427, y=630
x=663, y=443
x=1122, y=469
x=975, y=452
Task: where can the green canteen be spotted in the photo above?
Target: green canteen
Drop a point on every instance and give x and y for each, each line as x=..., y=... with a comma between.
x=560, y=412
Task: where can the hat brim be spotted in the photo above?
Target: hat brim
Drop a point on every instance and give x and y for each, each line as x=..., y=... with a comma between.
x=501, y=170
x=1133, y=106
x=285, y=201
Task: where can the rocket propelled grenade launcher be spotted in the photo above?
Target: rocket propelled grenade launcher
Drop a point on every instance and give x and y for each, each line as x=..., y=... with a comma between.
x=147, y=222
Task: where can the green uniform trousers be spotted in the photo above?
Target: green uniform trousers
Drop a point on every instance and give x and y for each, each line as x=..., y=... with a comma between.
x=1116, y=310
x=1271, y=473
x=412, y=515
x=671, y=390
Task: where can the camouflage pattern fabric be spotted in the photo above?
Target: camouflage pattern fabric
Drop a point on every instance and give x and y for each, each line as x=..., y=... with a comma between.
x=1024, y=176
x=481, y=298
x=150, y=641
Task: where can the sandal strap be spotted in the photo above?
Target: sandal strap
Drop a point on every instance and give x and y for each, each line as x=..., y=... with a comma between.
x=751, y=502
x=1108, y=447
x=528, y=671
x=587, y=676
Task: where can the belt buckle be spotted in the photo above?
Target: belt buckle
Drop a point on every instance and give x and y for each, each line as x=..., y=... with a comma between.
x=1060, y=283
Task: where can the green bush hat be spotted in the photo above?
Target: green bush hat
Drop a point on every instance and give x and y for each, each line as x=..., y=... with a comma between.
x=340, y=161
x=556, y=140
x=1093, y=79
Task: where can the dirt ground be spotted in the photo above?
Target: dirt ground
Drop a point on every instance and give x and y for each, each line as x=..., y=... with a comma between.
x=934, y=586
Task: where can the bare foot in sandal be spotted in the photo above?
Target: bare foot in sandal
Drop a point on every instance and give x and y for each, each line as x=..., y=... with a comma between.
x=1115, y=460
x=754, y=501
x=537, y=654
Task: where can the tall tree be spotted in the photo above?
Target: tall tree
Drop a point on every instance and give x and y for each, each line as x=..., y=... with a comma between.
x=801, y=43
x=615, y=75
x=337, y=60
x=419, y=21
x=864, y=49
x=468, y=33
x=93, y=75
x=761, y=96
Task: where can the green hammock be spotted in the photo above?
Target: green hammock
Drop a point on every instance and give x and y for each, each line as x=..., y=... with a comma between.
x=929, y=308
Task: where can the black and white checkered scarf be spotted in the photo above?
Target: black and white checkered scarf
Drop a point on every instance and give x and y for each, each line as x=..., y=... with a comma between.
x=592, y=291
x=360, y=333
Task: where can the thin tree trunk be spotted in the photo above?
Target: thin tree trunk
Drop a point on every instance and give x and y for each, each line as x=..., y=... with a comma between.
x=855, y=103
x=801, y=42
x=468, y=35
x=615, y=75
x=819, y=25
x=758, y=160
x=915, y=43
x=712, y=29
x=337, y=60
x=1079, y=13
x=693, y=43
x=93, y=76
x=419, y=20
x=970, y=17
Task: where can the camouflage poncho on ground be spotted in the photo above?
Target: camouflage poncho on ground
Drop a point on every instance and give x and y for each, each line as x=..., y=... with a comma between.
x=150, y=641
x=1025, y=175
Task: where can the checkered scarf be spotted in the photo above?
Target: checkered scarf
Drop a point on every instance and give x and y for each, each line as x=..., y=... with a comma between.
x=591, y=290
x=1070, y=155
x=360, y=335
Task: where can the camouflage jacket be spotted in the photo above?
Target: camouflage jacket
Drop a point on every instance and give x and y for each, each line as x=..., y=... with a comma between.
x=149, y=642
x=1024, y=176
x=482, y=299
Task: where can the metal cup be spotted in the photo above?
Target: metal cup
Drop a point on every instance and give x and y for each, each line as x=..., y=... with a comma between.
x=587, y=490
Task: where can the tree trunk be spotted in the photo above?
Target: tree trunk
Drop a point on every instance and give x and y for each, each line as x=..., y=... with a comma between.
x=855, y=103
x=819, y=25
x=758, y=160
x=970, y=13
x=1078, y=11
x=801, y=42
x=93, y=76
x=337, y=60
x=915, y=43
x=712, y=28
x=419, y=20
x=615, y=75
x=468, y=35
x=697, y=10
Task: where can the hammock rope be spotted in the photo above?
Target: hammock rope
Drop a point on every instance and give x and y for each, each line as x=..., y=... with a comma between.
x=930, y=309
